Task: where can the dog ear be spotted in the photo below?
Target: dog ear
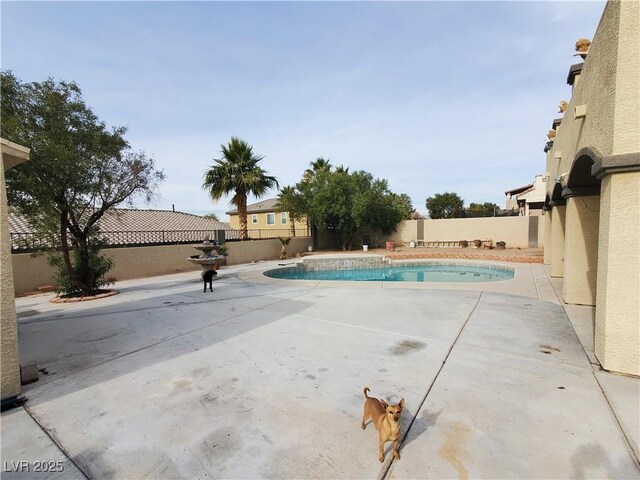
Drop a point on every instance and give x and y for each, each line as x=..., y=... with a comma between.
x=384, y=404
x=401, y=403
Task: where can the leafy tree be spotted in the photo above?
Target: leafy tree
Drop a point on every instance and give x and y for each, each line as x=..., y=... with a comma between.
x=344, y=203
x=212, y=216
x=445, y=205
x=78, y=171
x=238, y=172
x=486, y=209
x=407, y=205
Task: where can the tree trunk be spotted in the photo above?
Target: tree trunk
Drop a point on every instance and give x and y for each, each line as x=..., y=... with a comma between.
x=66, y=256
x=242, y=213
x=314, y=236
x=88, y=275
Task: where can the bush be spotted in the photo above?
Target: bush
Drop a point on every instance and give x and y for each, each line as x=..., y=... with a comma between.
x=98, y=264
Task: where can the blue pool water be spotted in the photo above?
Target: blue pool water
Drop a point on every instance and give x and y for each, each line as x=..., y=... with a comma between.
x=432, y=272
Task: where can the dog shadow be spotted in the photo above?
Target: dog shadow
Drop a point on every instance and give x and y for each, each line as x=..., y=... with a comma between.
x=420, y=425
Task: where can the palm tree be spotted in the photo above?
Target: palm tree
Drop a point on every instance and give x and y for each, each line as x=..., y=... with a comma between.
x=238, y=172
x=289, y=201
x=283, y=251
x=320, y=165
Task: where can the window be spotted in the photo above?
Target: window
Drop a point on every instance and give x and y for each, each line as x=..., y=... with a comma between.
x=271, y=218
x=283, y=217
x=254, y=218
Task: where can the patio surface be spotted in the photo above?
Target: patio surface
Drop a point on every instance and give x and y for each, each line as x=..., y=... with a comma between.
x=263, y=378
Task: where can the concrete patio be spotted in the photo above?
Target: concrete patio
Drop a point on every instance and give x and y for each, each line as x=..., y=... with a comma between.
x=263, y=379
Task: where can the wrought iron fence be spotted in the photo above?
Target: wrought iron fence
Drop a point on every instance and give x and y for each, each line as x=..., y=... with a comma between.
x=29, y=242
x=266, y=233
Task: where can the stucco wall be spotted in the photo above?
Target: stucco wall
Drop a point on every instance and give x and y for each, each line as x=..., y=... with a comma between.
x=132, y=262
x=256, y=250
x=10, y=155
x=547, y=236
x=597, y=127
x=138, y=262
x=609, y=89
x=608, y=86
x=627, y=107
x=617, y=336
x=512, y=230
x=10, y=371
x=581, y=250
x=557, y=241
x=542, y=230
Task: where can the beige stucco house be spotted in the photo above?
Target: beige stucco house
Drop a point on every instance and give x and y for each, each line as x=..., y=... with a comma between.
x=529, y=199
x=12, y=155
x=511, y=202
x=264, y=216
x=593, y=188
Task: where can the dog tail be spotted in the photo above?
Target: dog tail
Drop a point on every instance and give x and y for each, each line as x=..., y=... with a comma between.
x=366, y=389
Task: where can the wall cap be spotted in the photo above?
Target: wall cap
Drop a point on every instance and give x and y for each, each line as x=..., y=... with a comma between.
x=623, y=162
x=590, y=191
x=557, y=203
x=574, y=71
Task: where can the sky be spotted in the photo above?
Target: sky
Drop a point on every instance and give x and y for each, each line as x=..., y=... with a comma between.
x=432, y=96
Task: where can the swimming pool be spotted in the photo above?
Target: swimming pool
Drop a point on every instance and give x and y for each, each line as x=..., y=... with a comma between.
x=423, y=272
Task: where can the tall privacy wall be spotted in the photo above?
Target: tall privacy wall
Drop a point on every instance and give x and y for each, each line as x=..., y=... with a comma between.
x=517, y=232
x=138, y=262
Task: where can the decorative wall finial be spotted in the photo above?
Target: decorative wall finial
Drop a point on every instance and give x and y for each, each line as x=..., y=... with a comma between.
x=563, y=106
x=551, y=134
x=582, y=47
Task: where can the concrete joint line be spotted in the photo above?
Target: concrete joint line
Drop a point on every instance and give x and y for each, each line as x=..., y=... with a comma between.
x=566, y=314
x=593, y=372
x=55, y=441
x=613, y=412
x=386, y=471
x=535, y=282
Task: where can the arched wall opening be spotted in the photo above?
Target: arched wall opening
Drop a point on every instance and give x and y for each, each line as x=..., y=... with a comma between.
x=582, y=220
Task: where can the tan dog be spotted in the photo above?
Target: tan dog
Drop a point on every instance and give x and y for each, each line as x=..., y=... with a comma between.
x=386, y=419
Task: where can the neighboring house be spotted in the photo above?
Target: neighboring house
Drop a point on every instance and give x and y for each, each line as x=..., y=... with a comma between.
x=512, y=196
x=263, y=215
x=127, y=226
x=592, y=199
x=528, y=200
